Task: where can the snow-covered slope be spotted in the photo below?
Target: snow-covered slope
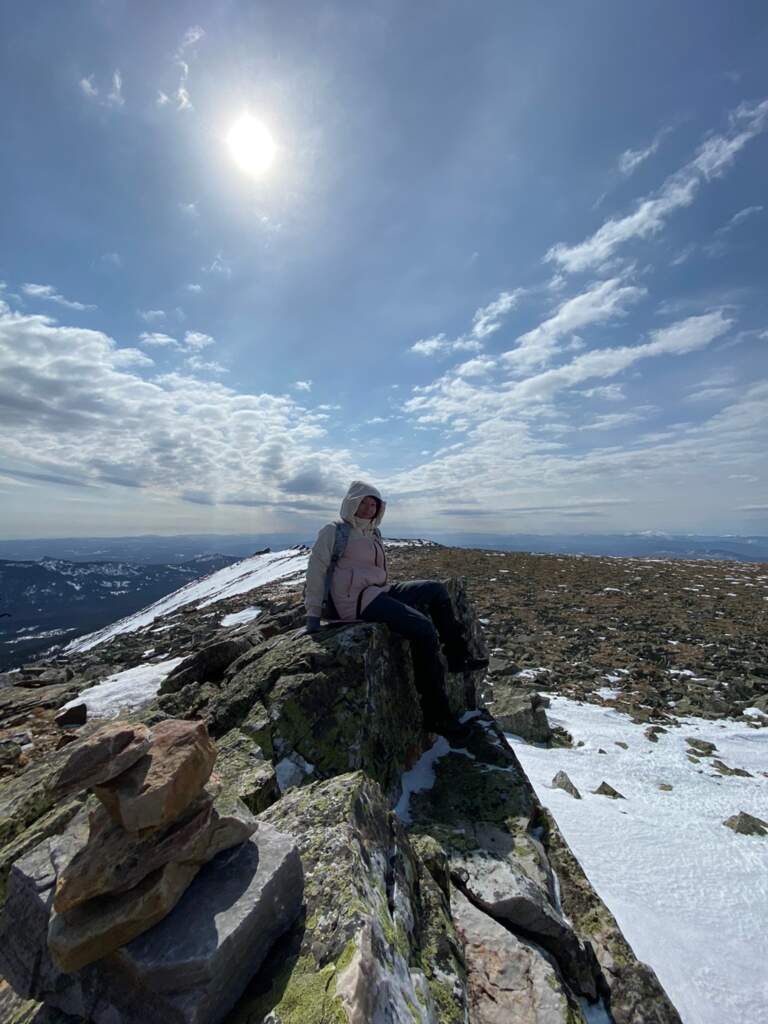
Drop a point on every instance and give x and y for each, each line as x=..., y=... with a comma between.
x=239, y=578
x=690, y=895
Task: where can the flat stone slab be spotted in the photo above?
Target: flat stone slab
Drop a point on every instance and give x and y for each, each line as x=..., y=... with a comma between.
x=190, y=968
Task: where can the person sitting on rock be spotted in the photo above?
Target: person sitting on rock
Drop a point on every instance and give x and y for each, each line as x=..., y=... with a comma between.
x=347, y=580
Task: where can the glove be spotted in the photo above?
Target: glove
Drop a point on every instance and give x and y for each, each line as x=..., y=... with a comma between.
x=313, y=623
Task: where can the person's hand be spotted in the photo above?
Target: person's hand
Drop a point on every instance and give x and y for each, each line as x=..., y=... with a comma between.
x=313, y=623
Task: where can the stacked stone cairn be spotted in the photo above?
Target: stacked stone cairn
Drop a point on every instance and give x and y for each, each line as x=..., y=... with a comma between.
x=103, y=894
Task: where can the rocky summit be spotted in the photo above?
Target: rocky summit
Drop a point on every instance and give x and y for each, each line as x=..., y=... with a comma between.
x=250, y=824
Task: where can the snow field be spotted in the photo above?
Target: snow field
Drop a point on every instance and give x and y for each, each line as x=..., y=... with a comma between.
x=690, y=895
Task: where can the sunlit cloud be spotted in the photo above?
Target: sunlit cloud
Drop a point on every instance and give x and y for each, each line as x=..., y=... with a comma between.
x=712, y=159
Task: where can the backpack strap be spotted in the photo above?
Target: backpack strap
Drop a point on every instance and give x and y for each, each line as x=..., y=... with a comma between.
x=340, y=541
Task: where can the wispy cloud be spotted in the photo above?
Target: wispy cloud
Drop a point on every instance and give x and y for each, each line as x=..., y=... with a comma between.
x=182, y=59
x=485, y=321
x=218, y=265
x=194, y=288
x=112, y=98
x=49, y=294
x=302, y=385
x=631, y=159
x=600, y=303
x=152, y=316
x=713, y=157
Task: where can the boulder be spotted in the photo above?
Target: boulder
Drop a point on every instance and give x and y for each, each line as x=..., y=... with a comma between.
x=190, y=968
x=10, y=753
x=163, y=783
x=561, y=781
x=207, y=663
x=377, y=942
x=243, y=768
x=103, y=754
x=604, y=789
x=723, y=768
x=75, y=714
x=701, y=747
x=747, y=824
x=523, y=715
x=18, y=703
x=508, y=979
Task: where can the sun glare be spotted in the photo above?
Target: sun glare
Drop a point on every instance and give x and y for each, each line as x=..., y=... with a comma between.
x=251, y=145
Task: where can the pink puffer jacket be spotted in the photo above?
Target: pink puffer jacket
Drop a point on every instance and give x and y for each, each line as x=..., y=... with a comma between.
x=361, y=572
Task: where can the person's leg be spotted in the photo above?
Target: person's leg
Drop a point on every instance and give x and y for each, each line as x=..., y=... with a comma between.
x=433, y=598
x=409, y=622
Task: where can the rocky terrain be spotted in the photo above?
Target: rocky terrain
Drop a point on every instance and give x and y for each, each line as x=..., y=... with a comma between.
x=467, y=903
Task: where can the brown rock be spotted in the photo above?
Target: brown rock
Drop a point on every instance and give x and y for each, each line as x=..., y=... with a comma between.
x=747, y=824
x=115, y=861
x=94, y=929
x=167, y=779
x=101, y=756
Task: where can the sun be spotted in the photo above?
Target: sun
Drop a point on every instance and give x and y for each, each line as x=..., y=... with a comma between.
x=251, y=145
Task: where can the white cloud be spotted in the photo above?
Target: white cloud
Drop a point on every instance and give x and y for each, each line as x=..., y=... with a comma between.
x=218, y=265
x=194, y=288
x=155, y=339
x=602, y=302
x=610, y=392
x=713, y=157
x=49, y=294
x=485, y=321
x=742, y=215
x=202, y=365
x=477, y=367
x=113, y=98
x=88, y=87
x=71, y=400
x=182, y=60
x=608, y=421
x=302, y=385
x=196, y=340
x=189, y=209
x=631, y=159
x=152, y=316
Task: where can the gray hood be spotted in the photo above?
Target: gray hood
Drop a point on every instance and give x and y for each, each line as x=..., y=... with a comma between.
x=358, y=489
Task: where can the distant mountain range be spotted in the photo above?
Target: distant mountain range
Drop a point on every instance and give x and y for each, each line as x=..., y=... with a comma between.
x=50, y=601
x=156, y=550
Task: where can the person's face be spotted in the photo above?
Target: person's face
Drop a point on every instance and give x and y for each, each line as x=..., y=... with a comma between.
x=367, y=508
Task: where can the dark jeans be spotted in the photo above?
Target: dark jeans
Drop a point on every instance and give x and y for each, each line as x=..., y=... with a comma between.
x=421, y=611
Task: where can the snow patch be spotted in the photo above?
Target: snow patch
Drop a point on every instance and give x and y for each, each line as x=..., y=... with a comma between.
x=246, y=615
x=132, y=688
x=420, y=778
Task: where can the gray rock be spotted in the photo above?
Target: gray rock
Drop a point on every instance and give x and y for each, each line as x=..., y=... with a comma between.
x=561, y=781
x=190, y=968
x=604, y=789
x=701, y=747
x=208, y=663
x=747, y=824
x=522, y=714
x=76, y=714
x=10, y=753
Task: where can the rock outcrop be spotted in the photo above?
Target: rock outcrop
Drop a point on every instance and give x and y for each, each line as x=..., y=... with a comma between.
x=336, y=909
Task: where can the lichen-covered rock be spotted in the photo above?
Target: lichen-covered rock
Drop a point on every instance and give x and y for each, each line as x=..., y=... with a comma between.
x=245, y=771
x=633, y=992
x=377, y=942
x=206, y=664
x=747, y=824
x=523, y=714
x=480, y=810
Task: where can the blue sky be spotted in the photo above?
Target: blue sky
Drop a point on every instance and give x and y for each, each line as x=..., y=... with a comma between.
x=509, y=263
